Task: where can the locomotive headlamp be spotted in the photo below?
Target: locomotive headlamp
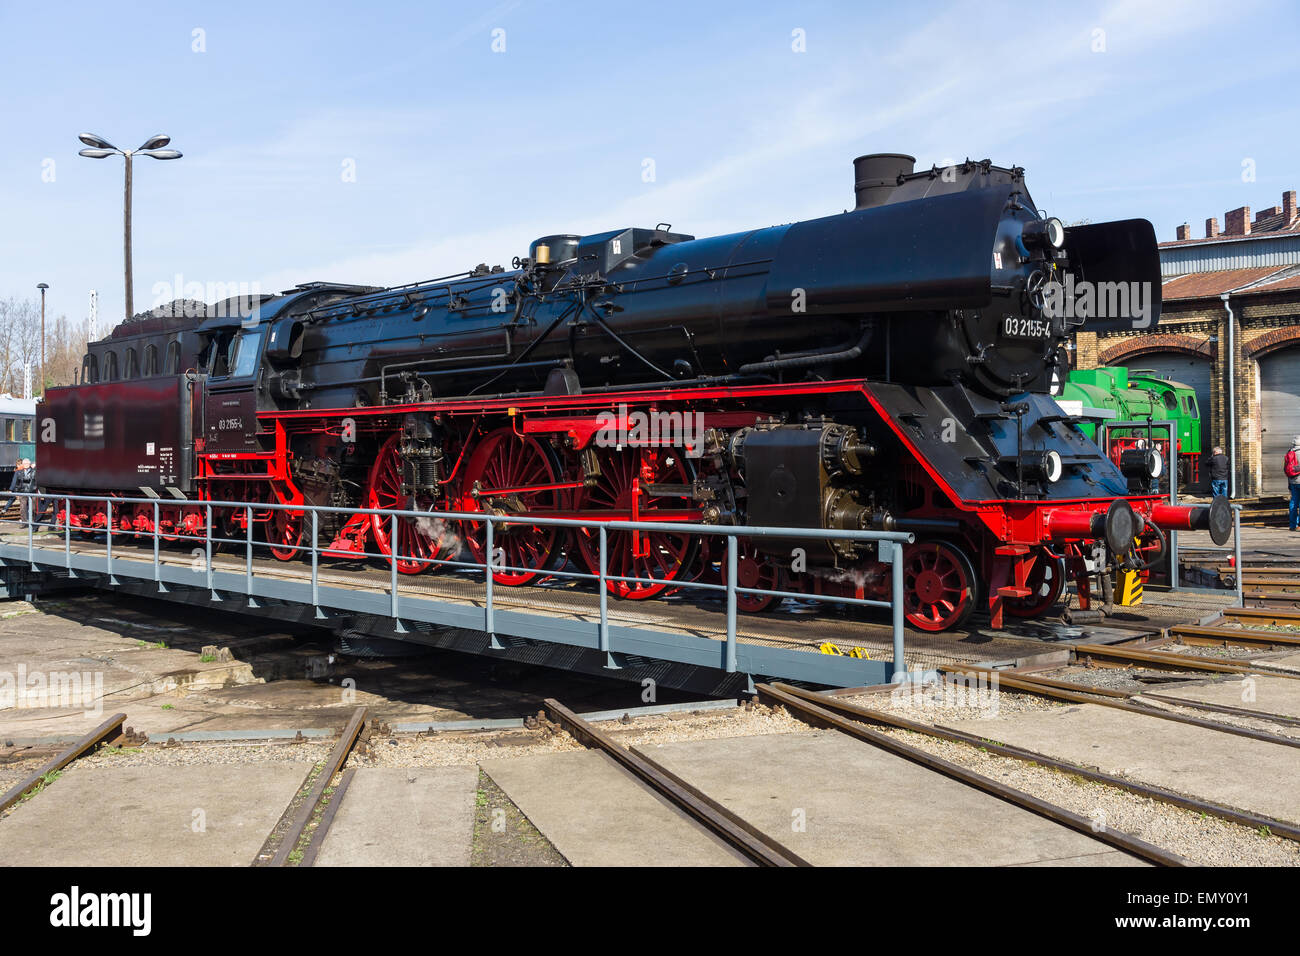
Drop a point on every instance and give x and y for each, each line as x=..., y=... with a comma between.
x=1044, y=232
x=1042, y=465
x=1053, y=467
x=1142, y=463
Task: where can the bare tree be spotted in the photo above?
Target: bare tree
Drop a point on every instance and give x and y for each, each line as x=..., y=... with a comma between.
x=20, y=344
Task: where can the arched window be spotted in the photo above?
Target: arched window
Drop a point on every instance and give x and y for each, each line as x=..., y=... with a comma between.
x=151, y=360
x=90, y=369
x=132, y=369
x=173, y=358
x=110, y=366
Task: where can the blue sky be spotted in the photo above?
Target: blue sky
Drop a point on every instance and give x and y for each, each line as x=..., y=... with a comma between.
x=463, y=154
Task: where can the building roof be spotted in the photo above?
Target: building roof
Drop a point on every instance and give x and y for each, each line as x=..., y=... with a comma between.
x=1254, y=281
x=1257, y=232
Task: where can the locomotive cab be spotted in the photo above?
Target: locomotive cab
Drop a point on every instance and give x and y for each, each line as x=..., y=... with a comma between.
x=228, y=367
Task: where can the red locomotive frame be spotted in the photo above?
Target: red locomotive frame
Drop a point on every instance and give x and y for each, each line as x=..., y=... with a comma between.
x=518, y=456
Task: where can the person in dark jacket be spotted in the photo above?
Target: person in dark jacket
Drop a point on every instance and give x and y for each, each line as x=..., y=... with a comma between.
x=24, y=480
x=1219, y=473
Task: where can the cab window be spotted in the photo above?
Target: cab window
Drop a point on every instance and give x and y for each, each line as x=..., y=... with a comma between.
x=232, y=353
x=216, y=354
x=246, y=348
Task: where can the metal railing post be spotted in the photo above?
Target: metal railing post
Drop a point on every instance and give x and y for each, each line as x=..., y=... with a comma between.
x=208, y=545
x=1174, y=575
x=603, y=575
x=490, y=611
x=1236, y=549
x=315, y=561
x=731, y=603
x=108, y=508
x=157, y=567
x=67, y=533
x=30, y=530
x=248, y=551
x=392, y=563
x=896, y=607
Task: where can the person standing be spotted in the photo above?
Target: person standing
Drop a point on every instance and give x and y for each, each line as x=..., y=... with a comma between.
x=1218, y=473
x=24, y=480
x=1291, y=465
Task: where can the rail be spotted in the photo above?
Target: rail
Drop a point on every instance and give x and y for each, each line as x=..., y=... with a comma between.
x=399, y=606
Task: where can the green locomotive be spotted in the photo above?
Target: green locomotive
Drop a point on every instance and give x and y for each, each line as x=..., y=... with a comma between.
x=1137, y=396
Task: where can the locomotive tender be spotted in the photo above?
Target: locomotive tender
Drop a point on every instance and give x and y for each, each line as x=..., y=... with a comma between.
x=888, y=367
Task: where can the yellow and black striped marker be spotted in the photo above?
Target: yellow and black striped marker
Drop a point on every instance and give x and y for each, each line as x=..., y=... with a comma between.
x=1128, y=588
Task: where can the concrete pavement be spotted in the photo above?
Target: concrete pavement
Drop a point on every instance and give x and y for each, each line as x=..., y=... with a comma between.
x=595, y=813
x=840, y=802
x=400, y=817
x=151, y=816
x=1268, y=695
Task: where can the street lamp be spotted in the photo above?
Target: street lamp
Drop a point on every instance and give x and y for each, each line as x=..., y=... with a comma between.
x=42, y=286
x=100, y=148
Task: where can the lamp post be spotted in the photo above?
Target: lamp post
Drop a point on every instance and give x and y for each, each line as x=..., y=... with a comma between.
x=100, y=148
x=42, y=286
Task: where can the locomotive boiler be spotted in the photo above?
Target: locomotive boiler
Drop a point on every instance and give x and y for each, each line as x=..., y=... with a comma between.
x=888, y=367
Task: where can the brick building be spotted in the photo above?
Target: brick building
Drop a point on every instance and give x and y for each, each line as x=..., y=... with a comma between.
x=1248, y=275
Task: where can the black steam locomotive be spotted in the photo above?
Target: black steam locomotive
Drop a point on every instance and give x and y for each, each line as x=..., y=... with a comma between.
x=889, y=367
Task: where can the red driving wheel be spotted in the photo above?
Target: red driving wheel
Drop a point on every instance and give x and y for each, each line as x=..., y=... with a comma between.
x=756, y=571
x=1045, y=581
x=938, y=585
x=661, y=556
x=284, y=534
x=509, y=474
x=420, y=541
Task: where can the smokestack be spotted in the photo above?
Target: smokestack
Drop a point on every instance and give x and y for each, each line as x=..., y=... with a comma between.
x=876, y=174
x=1184, y=232
x=1212, y=228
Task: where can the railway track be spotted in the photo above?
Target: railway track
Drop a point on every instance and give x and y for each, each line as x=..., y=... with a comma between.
x=818, y=710
x=108, y=730
x=757, y=846
x=295, y=839
x=818, y=706
x=764, y=850
x=1106, y=697
x=1127, y=657
x=1210, y=635
x=1267, y=616
x=304, y=824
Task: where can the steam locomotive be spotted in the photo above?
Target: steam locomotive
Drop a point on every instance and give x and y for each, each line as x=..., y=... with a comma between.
x=888, y=367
